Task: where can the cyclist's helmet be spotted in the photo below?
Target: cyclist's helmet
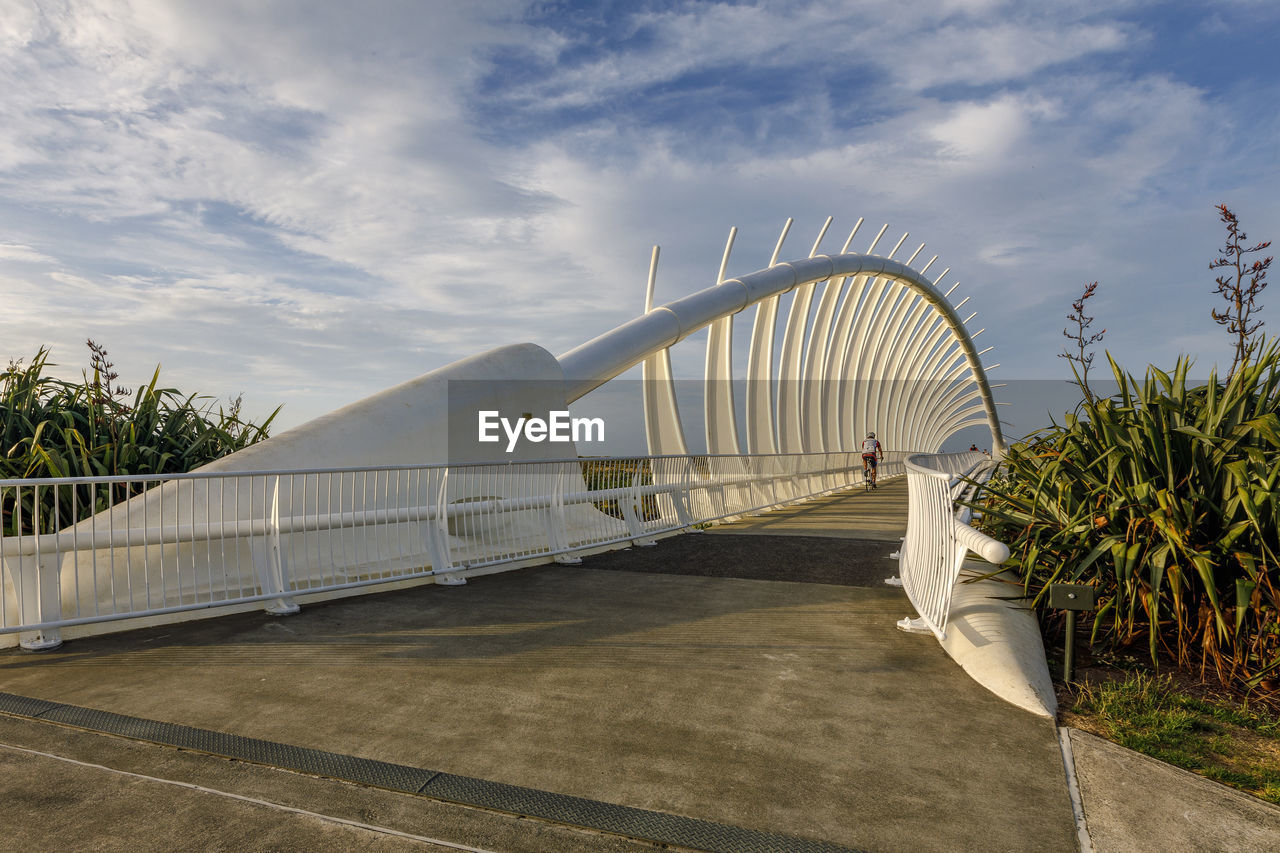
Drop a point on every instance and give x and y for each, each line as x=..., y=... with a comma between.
x=871, y=435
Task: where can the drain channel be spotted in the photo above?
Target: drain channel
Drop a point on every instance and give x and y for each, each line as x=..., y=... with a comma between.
x=626, y=821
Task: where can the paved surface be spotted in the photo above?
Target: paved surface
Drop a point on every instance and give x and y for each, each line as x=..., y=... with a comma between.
x=857, y=514
x=784, y=707
x=781, y=700
x=65, y=789
x=1136, y=803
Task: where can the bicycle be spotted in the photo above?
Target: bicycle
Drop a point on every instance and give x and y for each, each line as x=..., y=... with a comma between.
x=868, y=473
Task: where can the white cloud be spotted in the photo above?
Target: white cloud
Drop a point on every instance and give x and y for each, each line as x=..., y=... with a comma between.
x=985, y=131
x=311, y=206
x=976, y=53
x=25, y=254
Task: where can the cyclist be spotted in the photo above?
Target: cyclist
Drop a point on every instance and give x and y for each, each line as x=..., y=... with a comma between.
x=870, y=449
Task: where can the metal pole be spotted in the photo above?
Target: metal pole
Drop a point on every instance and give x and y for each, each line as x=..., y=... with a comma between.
x=1069, y=653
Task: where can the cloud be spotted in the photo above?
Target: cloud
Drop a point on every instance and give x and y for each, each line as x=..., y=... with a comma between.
x=24, y=254
x=311, y=201
x=981, y=52
x=985, y=131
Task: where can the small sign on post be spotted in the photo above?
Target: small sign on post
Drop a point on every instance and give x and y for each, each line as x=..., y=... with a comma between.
x=1070, y=597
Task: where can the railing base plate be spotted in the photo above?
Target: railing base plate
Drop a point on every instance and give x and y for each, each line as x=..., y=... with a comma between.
x=39, y=642
x=913, y=626
x=450, y=580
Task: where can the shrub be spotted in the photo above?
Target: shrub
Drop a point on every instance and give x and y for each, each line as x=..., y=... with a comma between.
x=51, y=427
x=1165, y=498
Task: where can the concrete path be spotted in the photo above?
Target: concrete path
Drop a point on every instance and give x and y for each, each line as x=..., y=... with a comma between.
x=748, y=680
x=1137, y=804
x=879, y=515
x=780, y=707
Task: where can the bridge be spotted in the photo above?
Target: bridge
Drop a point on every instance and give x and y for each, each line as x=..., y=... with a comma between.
x=742, y=686
x=410, y=492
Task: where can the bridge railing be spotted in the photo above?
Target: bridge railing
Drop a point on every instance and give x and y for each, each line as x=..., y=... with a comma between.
x=939, y=536
x=78, y=551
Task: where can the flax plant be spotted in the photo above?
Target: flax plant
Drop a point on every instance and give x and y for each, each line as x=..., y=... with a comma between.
x=599, y=475
x=50, y=427
x=1165, y=498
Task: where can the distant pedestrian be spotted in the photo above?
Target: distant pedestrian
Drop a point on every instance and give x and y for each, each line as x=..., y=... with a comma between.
x=973, y=447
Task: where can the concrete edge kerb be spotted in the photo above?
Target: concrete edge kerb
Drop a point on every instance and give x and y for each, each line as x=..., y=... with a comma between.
x=1073, y=790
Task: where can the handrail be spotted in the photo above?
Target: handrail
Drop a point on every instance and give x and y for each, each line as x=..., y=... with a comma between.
x=939, y=537
x=208, y=540
x=213, y=539
x=201, y=474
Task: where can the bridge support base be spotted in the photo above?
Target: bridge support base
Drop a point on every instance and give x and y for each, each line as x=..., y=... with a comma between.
x=282, y=607
x=450, y=580
x=40, y=641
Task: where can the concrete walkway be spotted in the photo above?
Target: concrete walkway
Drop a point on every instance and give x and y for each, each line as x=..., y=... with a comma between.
x=879, y=515
x=1135, y=803
x=789, y=708
x=782, y=708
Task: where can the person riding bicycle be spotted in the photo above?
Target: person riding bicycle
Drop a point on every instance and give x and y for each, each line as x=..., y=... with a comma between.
x=870, y=449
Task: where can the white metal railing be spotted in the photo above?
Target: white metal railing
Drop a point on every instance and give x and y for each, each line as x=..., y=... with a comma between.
x=147, y=545
x=939, y=536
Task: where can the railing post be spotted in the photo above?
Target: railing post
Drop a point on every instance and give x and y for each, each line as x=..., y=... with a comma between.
x=435, y=535
x=683, y=499
x=632, y=507
x=774, y=467
x=39, y=591
x=557, y=523
x=269, y=561
x=738, y=491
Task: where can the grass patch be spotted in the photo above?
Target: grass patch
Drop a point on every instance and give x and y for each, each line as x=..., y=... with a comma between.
x=1218, y=737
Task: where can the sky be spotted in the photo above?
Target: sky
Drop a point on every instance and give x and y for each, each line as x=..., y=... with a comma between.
x=308, y=202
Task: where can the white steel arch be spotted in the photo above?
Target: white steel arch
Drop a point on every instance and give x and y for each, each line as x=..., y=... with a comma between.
x=720, y=412
x=762, y=427
x=815, y=363
x=886, y=351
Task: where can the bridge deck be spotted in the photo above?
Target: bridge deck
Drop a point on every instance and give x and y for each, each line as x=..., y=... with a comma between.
x=856, y=514
x=651, y=678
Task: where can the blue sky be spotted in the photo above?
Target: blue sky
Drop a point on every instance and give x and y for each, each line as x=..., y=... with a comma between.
x=308, y=201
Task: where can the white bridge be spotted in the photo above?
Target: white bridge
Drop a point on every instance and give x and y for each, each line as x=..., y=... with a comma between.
x=388, y=490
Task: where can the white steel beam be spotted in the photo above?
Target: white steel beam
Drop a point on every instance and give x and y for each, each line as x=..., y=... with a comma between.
x=595, y=362
x=790, y=367
x=762, y=434
x=818, y=391
x=663, y=429
x=721, y=415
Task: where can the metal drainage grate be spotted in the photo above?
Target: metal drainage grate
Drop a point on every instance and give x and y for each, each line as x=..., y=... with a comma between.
x=528, y=802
